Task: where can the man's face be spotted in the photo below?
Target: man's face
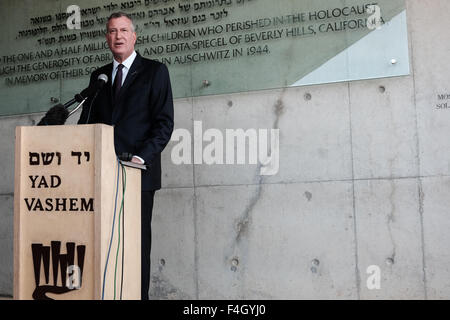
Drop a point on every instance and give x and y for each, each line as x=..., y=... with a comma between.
x=121, y=38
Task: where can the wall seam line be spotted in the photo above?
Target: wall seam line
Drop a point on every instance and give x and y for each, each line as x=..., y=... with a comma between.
x=355, y=231
x=419, y=171
x=306, y=182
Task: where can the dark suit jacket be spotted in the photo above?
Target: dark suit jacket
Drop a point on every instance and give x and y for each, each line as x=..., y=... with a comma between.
x=142, y=116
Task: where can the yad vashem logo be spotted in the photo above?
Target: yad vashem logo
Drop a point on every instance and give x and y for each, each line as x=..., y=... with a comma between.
x=64, y=264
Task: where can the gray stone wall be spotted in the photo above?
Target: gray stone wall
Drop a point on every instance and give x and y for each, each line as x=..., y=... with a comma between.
x=364, y=180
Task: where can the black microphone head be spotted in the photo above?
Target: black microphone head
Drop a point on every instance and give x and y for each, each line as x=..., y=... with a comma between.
x=57, y=115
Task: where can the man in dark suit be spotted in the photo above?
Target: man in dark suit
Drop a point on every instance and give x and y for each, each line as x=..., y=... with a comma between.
x=137, y=101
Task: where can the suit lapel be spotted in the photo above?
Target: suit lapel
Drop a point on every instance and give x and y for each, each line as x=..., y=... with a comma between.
x=131, y=76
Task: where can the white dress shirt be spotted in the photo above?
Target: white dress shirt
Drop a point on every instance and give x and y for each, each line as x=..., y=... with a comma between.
x=126, y=67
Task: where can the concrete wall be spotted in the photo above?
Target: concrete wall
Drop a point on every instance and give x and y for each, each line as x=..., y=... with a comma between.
x=364, y=180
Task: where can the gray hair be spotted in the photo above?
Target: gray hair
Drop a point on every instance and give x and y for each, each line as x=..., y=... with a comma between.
x=119, y=15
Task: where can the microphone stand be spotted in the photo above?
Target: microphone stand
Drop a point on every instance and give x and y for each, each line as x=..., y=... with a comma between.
x=77, y=107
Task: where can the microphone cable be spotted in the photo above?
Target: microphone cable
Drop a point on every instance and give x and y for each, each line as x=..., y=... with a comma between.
x=112, y=231
x=90, y=107
x=121, y=215
x=123, y=233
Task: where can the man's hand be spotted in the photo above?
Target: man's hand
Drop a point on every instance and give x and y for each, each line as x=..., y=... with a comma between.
x=137, y=160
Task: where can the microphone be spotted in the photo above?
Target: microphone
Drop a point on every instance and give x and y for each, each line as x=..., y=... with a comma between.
x=125, y=156
x=58, y=114
x=95, y=87
x=89, y=91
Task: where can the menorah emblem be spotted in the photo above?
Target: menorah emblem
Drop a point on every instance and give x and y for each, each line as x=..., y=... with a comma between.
x=71, y=273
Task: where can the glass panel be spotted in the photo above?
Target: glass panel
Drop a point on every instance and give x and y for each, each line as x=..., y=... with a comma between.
x=210, y=47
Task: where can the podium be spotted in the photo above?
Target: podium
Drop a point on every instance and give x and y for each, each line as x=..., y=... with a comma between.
x=77, y=216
